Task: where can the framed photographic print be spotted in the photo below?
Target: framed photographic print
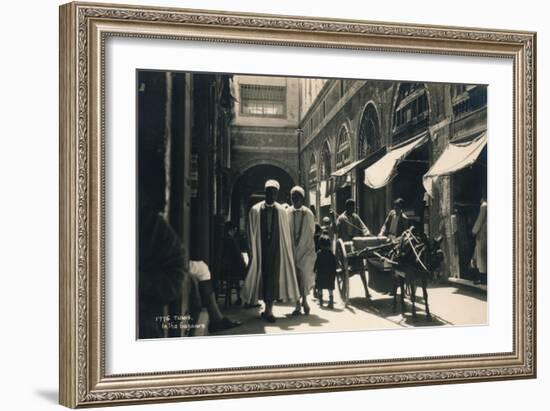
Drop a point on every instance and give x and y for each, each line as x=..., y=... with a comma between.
x=260, y=204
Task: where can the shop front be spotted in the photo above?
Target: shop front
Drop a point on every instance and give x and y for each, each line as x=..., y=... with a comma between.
x=465, y=162
x=403, y=167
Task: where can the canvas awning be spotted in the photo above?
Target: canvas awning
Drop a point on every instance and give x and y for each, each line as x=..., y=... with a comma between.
x=455, y=157
x=346, y=169
x=335, y=183
x=341, y=177
x=383, y=171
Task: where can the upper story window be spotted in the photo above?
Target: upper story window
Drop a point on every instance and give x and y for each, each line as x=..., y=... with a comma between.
x=413, y=105
x=264, y=101
x=369, y=139
x=467, y=98
x=411, y=113
x=343, y=153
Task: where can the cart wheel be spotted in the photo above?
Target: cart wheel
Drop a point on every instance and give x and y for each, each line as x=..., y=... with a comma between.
x=342, y=274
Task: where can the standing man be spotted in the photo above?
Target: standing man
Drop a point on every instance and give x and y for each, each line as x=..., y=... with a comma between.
x=302, y=230
x=271, y=273
x=349, y=224
x=396, y=222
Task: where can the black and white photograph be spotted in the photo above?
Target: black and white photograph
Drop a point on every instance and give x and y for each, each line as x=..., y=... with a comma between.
x=304, y=205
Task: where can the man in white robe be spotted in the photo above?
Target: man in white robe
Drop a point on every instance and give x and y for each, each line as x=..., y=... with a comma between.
x=271, y=273
x=302, y=230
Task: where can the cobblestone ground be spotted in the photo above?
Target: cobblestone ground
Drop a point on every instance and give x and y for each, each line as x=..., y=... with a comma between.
x=449, y=304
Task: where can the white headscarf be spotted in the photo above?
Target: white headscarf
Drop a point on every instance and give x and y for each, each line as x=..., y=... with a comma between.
x=298, y=189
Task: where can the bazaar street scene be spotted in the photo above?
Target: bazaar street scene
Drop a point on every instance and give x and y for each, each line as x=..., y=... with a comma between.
x=301, y=205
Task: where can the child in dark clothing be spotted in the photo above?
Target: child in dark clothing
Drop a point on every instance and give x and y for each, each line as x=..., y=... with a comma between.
x=325, y=270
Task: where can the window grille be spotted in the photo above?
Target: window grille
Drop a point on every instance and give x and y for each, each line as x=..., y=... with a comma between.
x=467, y=98
x=343, y=153
x=264, y=101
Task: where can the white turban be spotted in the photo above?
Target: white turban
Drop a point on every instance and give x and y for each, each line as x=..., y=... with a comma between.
x=272, y=183
x=298, y=189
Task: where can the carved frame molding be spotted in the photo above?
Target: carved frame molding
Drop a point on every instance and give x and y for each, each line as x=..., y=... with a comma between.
x=83, y=30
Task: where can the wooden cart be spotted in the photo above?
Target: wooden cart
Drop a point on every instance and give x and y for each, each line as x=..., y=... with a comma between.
x=356, y=257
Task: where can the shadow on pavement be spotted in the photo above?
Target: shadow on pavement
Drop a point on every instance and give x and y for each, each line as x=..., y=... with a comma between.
x=383, y=307
x=252, y=323
x=291, y=321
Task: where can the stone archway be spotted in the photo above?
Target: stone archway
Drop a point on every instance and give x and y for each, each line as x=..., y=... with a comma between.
x=248, y=189
x=369, y=137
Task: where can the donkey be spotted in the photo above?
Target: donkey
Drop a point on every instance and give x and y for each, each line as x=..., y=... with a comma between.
x=416, y=258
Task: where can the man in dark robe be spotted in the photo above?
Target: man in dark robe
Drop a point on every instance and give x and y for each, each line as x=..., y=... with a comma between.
x=271, y=273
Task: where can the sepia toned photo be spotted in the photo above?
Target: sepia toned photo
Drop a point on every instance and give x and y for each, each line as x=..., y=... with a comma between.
x=304, y=205
x=299, y=202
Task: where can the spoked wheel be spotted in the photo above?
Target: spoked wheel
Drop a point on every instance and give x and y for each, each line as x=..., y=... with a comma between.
x=342, y=275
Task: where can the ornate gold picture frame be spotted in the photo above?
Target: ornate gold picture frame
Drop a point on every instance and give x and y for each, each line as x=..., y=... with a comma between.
x=84, y=30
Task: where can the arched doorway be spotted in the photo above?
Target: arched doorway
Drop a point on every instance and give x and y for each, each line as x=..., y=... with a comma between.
x=410, y=121
x=249, y=190
x=371, y=202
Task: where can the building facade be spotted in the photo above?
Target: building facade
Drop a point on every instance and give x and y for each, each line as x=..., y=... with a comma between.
x=400, y=129
x=264, y=142
x=183, y=150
